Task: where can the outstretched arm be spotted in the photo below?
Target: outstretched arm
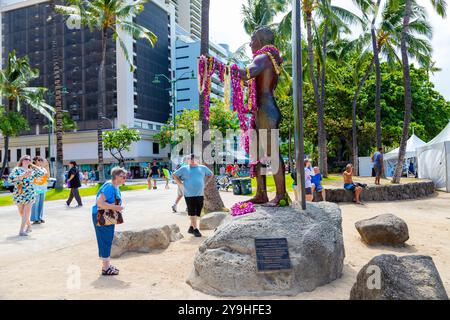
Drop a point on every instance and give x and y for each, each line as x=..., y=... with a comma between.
x=255, y=68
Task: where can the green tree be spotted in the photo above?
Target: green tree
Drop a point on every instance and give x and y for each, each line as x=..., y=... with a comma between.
x=15, y=90
x=118, y=141
x=440, y=7
x=111, y=18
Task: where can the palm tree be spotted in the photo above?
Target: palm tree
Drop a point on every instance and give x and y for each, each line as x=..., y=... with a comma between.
x=58, y=103
x=110, y=18
x=440, y=7
x=387, y=43
x=14, y=88
x=213, y=201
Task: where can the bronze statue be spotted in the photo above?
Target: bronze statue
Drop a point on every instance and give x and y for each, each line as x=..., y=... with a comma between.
x=265, y=68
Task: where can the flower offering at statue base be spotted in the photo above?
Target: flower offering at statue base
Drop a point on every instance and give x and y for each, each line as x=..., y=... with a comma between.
x=242, y=208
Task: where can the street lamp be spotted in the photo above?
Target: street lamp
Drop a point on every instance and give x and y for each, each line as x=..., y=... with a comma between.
x=111, y=122
x=172, y=88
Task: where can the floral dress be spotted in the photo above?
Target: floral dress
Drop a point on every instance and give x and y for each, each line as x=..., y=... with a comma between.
x=24, y=187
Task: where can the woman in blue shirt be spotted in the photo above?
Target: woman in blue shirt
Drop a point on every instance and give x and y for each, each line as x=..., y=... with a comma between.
x=106, y=198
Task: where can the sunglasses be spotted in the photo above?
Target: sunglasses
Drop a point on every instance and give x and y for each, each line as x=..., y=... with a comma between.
x=123, y=176
x=27, y=159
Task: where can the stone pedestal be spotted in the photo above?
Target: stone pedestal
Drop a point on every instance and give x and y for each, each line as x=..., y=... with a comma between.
x=226, y=263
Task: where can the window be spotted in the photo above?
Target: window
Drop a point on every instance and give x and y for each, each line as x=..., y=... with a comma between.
x=182, y=47
x=1, y=156
x=47, y=155
x=155, y=148
x=183, y=100
x=183, y=57
x=9, y=155
x=38, y=152
x=183, y=89
x=19, y=154
x=182, y=68
x=28, y=151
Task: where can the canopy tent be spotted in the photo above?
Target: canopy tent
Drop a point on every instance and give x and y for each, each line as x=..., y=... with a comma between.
x=434, y=159
x=390, y=158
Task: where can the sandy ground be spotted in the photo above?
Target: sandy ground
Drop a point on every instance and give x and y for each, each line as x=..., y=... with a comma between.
x=59, y=260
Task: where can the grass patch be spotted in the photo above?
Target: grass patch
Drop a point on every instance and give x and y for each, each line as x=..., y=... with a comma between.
x=54, y=194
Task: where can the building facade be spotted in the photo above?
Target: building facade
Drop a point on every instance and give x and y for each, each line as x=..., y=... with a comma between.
x=132, y=99
x=187, y=50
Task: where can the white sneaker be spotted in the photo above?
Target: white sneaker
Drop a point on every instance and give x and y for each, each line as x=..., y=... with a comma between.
x=174, y=208
x=23, y=234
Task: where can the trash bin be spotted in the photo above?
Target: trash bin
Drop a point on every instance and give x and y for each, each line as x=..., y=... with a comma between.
x=236, y=187
x=246, y=186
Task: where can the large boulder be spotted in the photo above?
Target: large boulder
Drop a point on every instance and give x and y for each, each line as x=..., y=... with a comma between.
x=388, y=277
x=385, y=229
x=226, y=262
x=144, y=240
x=212, y=220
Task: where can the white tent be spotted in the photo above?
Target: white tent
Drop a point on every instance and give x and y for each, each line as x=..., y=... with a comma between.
x=390, y=158
x=434, y=159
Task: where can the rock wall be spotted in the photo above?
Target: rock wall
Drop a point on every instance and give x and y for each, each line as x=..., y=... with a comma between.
x=389, y=192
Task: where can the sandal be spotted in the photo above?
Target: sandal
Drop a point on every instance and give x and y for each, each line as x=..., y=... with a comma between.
x=110, y=272
x=111, y=266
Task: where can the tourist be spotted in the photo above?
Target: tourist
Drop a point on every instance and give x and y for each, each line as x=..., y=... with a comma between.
x=222, y=171
x=180, y=193
x=85, y=178
x=229, y=170
x=316, y=181
x=107, y=197
x=166, y=174
x=236, y=170
x=378, y=165
x=40, y=188
x=92, y=177
x=350, y=185
x=294, y=183
x=153, y=174
x=74, y=183
x=192, y=179
x=308, y=184
x=22, y=177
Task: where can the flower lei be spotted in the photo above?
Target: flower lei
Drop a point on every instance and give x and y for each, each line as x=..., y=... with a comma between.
x=208, y=66
x=241, y=208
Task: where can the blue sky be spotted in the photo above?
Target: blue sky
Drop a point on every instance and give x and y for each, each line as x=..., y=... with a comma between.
x=226, y=27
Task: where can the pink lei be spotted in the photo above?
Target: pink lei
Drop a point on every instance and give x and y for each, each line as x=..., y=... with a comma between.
x=246, y=113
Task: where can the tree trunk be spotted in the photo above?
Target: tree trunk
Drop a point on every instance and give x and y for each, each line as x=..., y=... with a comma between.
x=408, y=97
x=101, y=107
x=378, y=78
x=320, y=115
x=354, y=130
x=58, y=106
x=9, y=108
x=213, y=201
x=5, y=155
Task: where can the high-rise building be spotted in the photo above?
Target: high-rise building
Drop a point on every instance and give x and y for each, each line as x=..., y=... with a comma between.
x=187, y=51
x=132, y=99
x=188, y=16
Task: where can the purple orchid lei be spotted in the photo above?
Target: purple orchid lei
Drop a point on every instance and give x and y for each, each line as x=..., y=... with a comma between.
x=241, y=208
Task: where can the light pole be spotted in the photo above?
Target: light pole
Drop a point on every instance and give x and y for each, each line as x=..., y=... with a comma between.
x=298, y=98
x=111, y=122
x=172, y=89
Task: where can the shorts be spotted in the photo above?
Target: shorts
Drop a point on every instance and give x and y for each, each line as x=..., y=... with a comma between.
x=308, y=190
x=194, y=206
x=377, y=171
x=319, y=188
x=350, y=186
x=155, y=176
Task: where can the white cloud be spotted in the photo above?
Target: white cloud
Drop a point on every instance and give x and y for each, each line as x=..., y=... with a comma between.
x=226, y=27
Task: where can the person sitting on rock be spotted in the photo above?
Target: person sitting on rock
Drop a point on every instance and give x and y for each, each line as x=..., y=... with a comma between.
x=350, y=185
x=316, y=180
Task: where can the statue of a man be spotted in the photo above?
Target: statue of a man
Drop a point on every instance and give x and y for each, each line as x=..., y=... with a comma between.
x=265, y=68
